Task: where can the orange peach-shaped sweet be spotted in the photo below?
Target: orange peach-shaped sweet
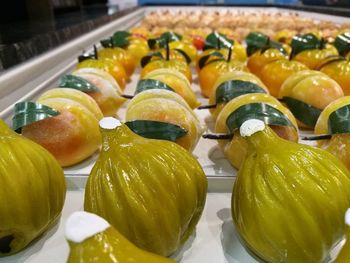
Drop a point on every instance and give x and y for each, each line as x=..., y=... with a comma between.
x=235, y=149
x=74, y=134
x=107, y=97
x=235, y=75
x=339, y=71
x=120, y=55
x=275, y=73
x=166, y=106
x=311, y=87
x=177, y=82
x=212, y=71
x=258, y=60
x=339, y=144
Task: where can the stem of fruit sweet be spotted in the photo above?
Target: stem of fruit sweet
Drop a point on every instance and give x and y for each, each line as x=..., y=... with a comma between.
x=167, y=50
x=218, y=136
x=127, y=96
x=112, y=43
x=316, y=137
x=229, y=54
x=323, y=43
x=210, y=106
x=95, y=52
x=218, y=43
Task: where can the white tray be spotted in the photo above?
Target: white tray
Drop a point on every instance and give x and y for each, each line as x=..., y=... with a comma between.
x=215, y=239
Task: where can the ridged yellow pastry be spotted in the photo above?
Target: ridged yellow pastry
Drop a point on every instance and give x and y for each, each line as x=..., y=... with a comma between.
x=32, y=191
x=152, y=191
x=289, y=199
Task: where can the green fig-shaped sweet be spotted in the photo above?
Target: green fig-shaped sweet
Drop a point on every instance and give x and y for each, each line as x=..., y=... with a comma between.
x=32, y=190
x=152, y=191
x=289, y=199
x=93, y=239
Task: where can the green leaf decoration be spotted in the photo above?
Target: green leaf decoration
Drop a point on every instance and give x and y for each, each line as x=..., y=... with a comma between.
x=203, y=60
x=342, y=43
x=162, y=41
x=75, y=82
x=120, y=39
x=217, y=40
x=259, y=41
x=146, y=59
x=302, y=111
x=27, y=112
x=171, y=36
x=146, y=84
x=231, y=89
x=156, y=130
x=260, y=111
x=339, y=120
x=106, y=42
x=188, y=59
x=305, y=42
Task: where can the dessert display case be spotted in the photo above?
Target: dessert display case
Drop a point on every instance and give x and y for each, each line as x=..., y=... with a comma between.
x=215, y=239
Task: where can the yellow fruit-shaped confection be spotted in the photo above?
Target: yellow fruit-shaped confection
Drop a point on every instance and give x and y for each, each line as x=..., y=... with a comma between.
x=212, y=71
x=138, y=48
x=166, y=106
x=110, y=66
x=180, y=66
x=73, y=135
x=289, y=199
x=120, y=55
x=314, y=57
x=207, y=52
x=338, y=144
x=32, y=191
x=339, y=70
x=239, y=76
x=235, y=150
x=275, y=73
x=238, y=52
x=344, y=254
x=309, y=88
x=93, y=239
x=258, y=60
x=99, y=73
x=132, y=169
x=178, y=82
x=173, y=55
x=188, y=48
x=107, y=97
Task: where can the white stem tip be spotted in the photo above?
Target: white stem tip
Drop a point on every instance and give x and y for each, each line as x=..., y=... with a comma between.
x=82, y=225
x=109, y=123
x=251, y=126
